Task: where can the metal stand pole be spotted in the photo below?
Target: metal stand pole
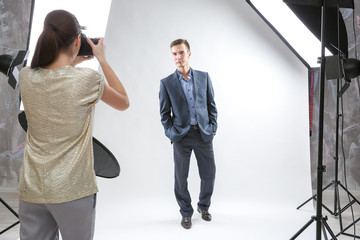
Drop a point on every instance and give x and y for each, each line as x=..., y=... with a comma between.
x=320, y=220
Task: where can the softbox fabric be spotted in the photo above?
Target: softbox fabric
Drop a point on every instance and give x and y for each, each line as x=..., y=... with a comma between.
x=105, y=163
x=311, y=16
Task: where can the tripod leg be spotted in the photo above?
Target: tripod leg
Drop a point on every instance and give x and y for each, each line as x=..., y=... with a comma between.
x=324, y=231
x=303, y=228
x=348, y=192
x=300, y=206
x=333, y=237
x=338, y=211
x=336, y=199
x=343, y=231
x=327, y=209
x=314, y=196
x=8, y=228
x=8, y=207
x=13, y=212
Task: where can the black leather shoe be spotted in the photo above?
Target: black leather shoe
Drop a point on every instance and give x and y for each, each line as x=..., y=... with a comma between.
x=186, y=222
x=205, y=214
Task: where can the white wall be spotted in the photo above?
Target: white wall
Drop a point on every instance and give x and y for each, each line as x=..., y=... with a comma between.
x=262, y=144
x=88, y=12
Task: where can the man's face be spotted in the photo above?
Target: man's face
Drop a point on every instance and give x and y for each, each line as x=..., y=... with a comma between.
x=180, y=55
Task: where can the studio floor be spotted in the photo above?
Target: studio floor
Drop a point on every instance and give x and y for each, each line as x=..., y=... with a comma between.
x=133, y=220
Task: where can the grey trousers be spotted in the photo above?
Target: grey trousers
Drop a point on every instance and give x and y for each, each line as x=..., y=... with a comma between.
x=74, y=219
x=204, y=154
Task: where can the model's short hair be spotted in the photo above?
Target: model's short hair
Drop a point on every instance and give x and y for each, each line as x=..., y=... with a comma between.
x=180, y=41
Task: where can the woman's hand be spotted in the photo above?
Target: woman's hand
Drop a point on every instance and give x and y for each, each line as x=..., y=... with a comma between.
x=98, y=49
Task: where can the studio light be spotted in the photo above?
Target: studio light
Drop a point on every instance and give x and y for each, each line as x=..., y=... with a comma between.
x=342, y=68
x=9, y=63
x=324, y=19
x=351, y=68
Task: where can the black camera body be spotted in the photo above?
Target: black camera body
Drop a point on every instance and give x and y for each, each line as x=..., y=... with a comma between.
x=85, y=49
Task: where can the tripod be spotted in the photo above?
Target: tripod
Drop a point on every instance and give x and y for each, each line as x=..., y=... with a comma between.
x=336, y=183
x=13, y=212
x=320, y=220
x=332, y=63
x=321, y=224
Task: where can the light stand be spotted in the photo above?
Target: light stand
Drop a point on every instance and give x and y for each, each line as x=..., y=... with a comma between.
x=342, y=68
x=337, y=68
x=8, y=66
x=317, y=22
x=347, y=69
x=320, y=220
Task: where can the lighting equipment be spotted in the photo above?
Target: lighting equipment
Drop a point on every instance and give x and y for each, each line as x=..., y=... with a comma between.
x=351, y=68
x=321, y=17
x=338, y=67
x=298, y=7
x=341, y=67
x=8, y=65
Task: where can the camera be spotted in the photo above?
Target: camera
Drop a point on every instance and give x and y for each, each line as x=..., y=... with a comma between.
x=85, y=49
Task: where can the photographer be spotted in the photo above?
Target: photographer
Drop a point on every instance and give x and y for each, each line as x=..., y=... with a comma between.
x=57, y=188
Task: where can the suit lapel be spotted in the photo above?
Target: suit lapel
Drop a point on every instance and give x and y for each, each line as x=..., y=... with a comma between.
x=196, y=82
x=177, y=85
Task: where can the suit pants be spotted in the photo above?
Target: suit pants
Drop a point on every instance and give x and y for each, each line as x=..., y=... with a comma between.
x=75, y=219
x=206, y=164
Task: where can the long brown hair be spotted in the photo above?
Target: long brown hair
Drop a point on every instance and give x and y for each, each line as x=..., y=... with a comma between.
x=60, y=30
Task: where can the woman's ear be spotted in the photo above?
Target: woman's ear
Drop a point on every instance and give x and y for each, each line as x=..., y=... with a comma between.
x=76, y=45
x=78, y=41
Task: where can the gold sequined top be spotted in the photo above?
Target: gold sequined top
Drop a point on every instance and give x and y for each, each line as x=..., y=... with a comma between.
x=58, y=157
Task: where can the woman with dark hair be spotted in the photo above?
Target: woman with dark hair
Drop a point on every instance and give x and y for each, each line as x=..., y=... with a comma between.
x=57, y=188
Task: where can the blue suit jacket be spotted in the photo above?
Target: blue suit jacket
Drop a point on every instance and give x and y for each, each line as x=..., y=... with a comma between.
x=174, y=109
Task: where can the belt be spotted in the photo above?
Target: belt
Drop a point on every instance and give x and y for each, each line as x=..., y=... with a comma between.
x=196, y=126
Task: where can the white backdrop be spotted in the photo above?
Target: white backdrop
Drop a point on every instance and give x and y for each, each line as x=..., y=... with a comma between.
x=262, y=143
